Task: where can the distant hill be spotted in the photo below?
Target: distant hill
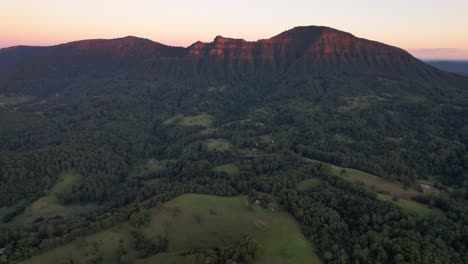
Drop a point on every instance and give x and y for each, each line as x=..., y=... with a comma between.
x=460, y=67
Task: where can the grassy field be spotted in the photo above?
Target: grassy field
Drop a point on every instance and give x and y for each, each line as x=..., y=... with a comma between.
x=377, y=183
x=408, y=205
x=7, y=99
x=4, y=210
x=149, y=167
x=359, y=102
x=48, y=206
x=218, y=145
x=64, y=184
x=203, y=120
x=302, y=105
x=261, y=114
x=386, y=188
x=231, y=169
x=344, y=138
x=196, y=221
x=373, y=182
x=306, y=184
x=219, y=88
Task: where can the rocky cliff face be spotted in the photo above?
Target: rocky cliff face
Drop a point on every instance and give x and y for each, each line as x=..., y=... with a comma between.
x=305, y=49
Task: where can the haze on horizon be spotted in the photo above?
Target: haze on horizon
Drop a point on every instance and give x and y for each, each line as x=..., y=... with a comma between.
x=429, y=29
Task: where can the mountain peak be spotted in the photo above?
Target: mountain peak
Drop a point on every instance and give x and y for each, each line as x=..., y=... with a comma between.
x=307, y=48
x=126, y=46
x=221, y=40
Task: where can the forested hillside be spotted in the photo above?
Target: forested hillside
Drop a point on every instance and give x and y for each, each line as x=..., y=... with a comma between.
x=139, y=123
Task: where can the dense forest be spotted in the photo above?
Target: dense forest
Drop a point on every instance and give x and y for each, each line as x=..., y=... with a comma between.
x=104, y=116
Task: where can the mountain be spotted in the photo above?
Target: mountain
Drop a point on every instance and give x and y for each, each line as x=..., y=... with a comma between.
x=302, y=51
x=324, y=67
x=305, y=49
x=123, y=47
x=460, y=67
x=361, y=143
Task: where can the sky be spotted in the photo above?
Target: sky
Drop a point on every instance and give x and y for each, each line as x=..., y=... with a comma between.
x=429, y=29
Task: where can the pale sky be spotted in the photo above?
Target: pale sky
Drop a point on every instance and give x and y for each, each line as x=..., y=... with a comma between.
x=427, y=28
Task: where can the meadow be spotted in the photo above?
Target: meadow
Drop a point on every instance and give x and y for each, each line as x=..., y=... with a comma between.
x=48, y=206
x=14, y=99
x=386, y=189
x=194, y=221
x=306, y=184
x=203, y=120
x=218, y=145
x=230, y=169
x=408, y=205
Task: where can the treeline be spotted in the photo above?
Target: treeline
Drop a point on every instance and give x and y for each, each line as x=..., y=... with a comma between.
x=45, y=234
x=348, y=224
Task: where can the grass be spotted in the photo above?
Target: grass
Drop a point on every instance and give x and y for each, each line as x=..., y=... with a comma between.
x=5, y=210
x=155, y=165
x=149, y=167
x=85, y=249
x=344, y=138
x=48, y=205
x=197, y=221
x=415, y=98
x=220, y=88
x=203, y=120
x=307, y=184
x=376, y=183
x=380, y=185
x=218, y=145
x=63, y=184
x=408, y=205
x=302, y=105
x=373, y=182
x=261, y=114
x=231, y=169
x=359, y=102
x=8, y=100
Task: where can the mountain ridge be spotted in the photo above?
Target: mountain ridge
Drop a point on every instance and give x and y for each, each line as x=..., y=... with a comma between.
x=304, y=48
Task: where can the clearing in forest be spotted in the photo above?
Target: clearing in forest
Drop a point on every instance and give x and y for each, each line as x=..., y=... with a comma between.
x=204, y=120
x=14, y=99
x=218, y=145
x=48, y=206
x=386, y=189
x=408, y=205
x=194, y=221
x=306, y=184
x=231, y=169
